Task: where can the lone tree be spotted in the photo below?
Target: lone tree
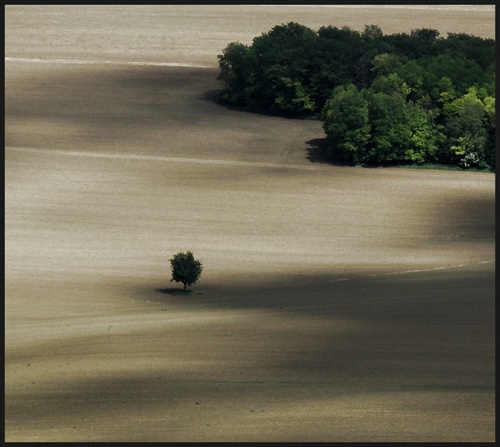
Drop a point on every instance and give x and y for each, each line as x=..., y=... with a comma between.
x=185, y=268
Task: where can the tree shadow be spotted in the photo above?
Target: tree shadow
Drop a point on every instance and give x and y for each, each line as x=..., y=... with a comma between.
x=212, y=96
x=177, y=291
x=316, y=151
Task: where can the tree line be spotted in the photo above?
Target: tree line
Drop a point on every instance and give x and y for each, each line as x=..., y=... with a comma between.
x=383, y=99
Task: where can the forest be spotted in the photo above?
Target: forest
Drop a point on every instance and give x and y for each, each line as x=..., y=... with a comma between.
x=383, y=99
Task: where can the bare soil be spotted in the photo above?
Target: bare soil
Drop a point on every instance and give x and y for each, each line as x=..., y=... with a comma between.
x=335, y=304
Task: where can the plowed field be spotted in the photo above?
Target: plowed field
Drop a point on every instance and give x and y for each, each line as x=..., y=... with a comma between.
x=335, y=304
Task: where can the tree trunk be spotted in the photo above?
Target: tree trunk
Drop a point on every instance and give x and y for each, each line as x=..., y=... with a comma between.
x=184, y=287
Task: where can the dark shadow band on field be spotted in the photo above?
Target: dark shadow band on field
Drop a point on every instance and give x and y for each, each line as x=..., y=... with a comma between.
x=427, y=336
x=324, y=295
x=126, y=103
x=167, y=110
x=422, y=329
x=451, y=225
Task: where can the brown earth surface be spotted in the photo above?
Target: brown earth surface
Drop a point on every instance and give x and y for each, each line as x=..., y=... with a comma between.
x=335, y=304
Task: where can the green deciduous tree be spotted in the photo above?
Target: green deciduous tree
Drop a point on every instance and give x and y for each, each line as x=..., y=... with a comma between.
x=346, y=124
x=238, y=67
x=379, y=125
x=285, y=58
x=185, y=268
x=468, y=123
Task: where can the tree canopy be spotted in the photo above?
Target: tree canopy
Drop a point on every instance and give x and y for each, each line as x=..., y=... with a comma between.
x=400, y=98
x=185, y=268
